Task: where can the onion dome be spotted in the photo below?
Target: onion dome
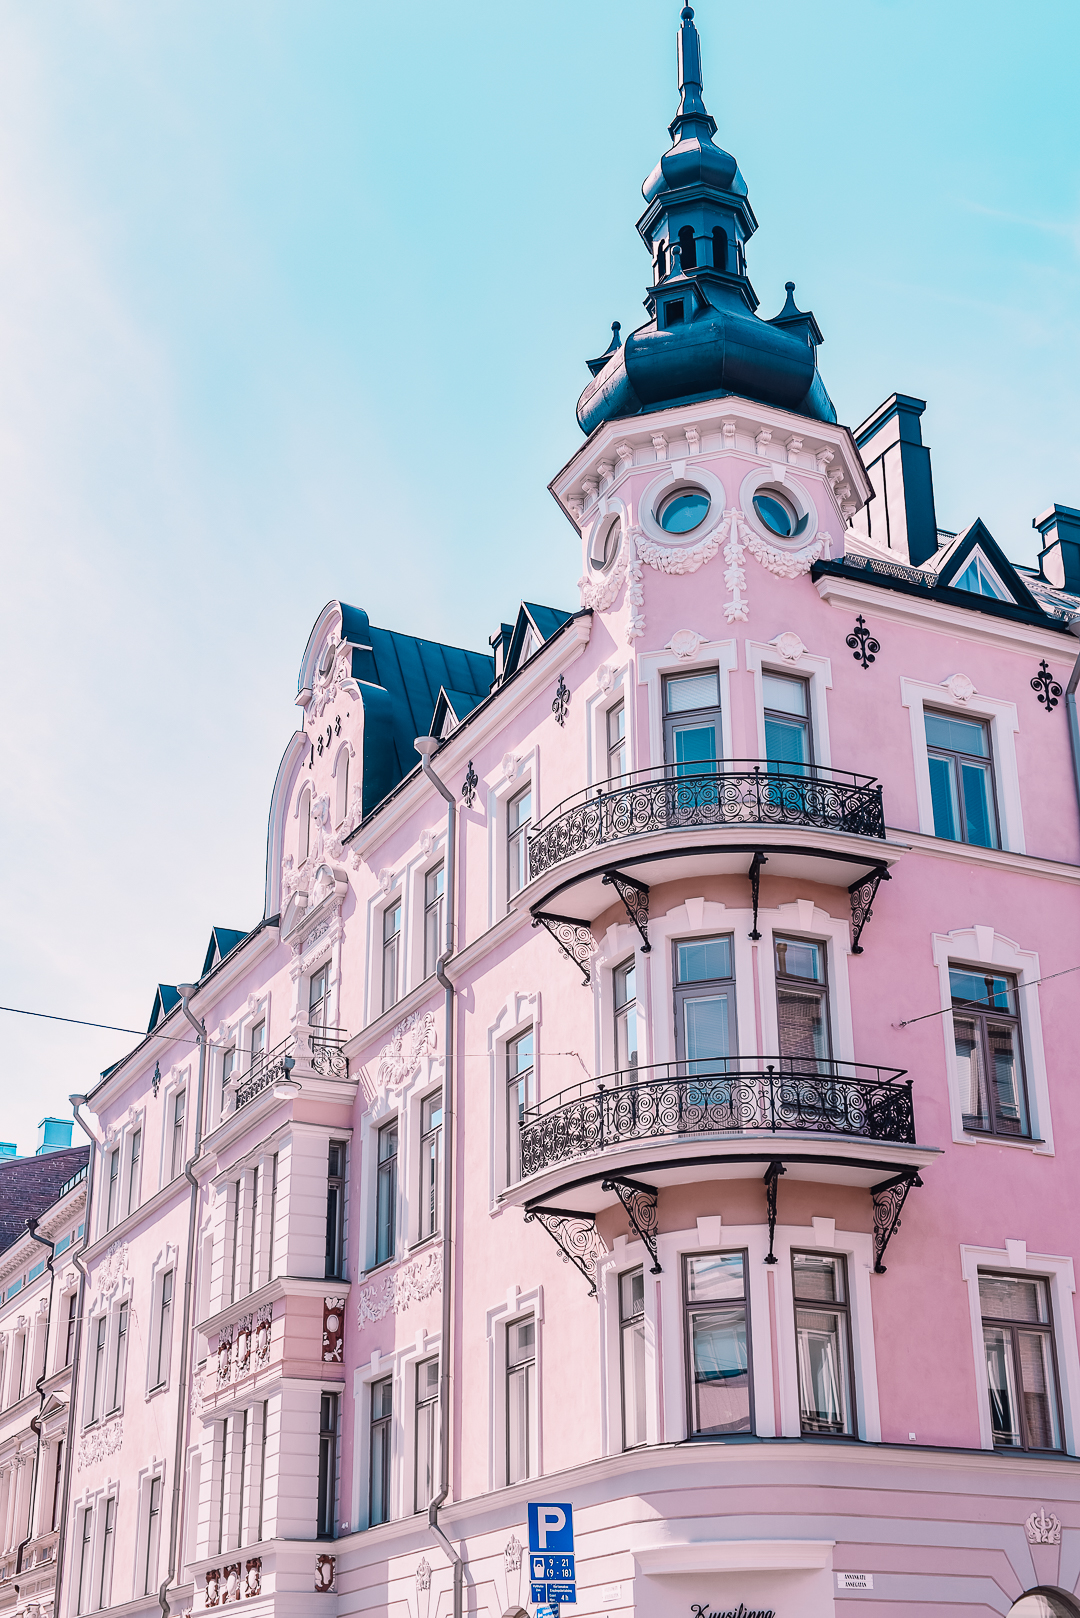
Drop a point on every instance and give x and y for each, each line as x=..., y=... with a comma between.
x=704, y=338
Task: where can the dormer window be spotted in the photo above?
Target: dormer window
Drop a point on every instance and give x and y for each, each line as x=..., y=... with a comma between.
x=674, y=312
x=981, y=581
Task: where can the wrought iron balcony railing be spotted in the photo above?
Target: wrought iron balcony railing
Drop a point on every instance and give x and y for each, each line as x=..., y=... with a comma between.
x=738, y=1096
x=320, y=1049
x=719, y=792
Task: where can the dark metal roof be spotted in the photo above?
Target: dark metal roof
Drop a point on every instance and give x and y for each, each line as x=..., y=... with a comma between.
x=30, y=1185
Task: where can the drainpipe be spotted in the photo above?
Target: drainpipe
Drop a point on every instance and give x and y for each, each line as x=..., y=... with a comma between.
x=1070, y=708
x=35, y=1421
x=426, y=746
x=75, y=1102
x=186, y=991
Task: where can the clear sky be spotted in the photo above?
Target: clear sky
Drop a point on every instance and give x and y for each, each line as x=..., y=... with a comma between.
x=295, y=300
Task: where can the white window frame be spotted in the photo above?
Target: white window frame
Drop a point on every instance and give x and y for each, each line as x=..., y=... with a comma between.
x=516, y=1306
x=627, y=1254
x=520, y=1012
x=1059, y=1272
x=518, y=772
x=340, y=810
x=155, y=1469
x=617, y=687
x=722, y=655
x=764, y=658
x=963, y=947
x=377, y=1369
x=166, y=1260
x=619, y=943
x=179, y=1079
x=916, y=696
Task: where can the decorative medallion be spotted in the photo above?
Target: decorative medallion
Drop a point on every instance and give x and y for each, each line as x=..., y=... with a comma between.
x=263, y=1325
x=212, y=1597
x=561, y=701
x=333, y=1330
x=469, y=786
x=512, y=1554
x=253, y=1578
x=231, y=1581
x=324, y=1573
x=1046, y=687
x=789, y=646
x=1043, y=1528
x=685, y=642
x=864, y=648
x=423, y=1574
x=410, y=1042
x=959, y=687
x=605, y=677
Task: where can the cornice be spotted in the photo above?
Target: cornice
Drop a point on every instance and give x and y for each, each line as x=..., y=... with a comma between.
x=882, y=602
x=50, y=1222
x=992, y=859
x=128, y=1226
x=284, y=1286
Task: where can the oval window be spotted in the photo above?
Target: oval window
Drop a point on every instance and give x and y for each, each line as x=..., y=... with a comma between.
x=605, y=547
x=778, y=514
x=684, y=511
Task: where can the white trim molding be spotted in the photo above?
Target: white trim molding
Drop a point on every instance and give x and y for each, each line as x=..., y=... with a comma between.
x=916, y=696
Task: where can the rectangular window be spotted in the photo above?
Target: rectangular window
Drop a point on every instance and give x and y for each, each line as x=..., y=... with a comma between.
x=961, y=779
x=113, y=1208
x=632, y=1350
x=164, y=1331
x=258, y=1043
x=518, y=819
x=58, y=1485
x=520, y=1398
x=228, y=1068
x=319, y=997
x=97, y=1381
x=716, y=1336
x=434, y=914
x=382, y=1409
x=86, y=1537
x=386, y=1194
x=176, y=1150
x=335, y=1208
x=431, y=1117
x=986, y=1029
x=802, y=1005
x=273, y=1218
x=704, y=1004
x=391, y=949
x=692, y=721
x=427, y=1433
x=153, y=1532
x=520, y=1095
x=107, y=1540
x=788, y=739
x=616, y=741
x=253, y=1228
x=823, y=1343
x=328, y=1411
x=237, y=1189
x=626, y=1040
x=116, y=1386
x=72, y=1322
x=1020, y=1365
x=134, y=1171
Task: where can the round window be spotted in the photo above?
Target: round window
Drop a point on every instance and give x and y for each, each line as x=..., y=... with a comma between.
x=684, y=511
x=605, y=547
x=778, y=514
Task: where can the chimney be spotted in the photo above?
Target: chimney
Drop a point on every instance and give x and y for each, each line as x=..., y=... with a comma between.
x=8, y=1149
x=1059, y=559
x=54, y=1134
x=901, y=514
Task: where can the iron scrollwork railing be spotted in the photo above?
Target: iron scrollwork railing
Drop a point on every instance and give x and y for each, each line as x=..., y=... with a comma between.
x=721, y=792
x=737, y=1096
x=321, y=1050
x=267, y=1068
x=328, y=1052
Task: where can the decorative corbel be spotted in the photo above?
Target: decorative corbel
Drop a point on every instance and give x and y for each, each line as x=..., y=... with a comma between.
x=862, y=894
x=639, y=1201
x=754, y=873
x=889, y=1198
x=575, y=1235
x=772, y=1177
x=635, y=898
x=573, y=936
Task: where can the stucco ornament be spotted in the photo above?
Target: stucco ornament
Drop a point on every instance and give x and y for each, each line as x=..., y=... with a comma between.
x=605, y=677
x=333, y=676
x=678, y=559
x=685, y=643
x=785, y=564
x=789, y=646
x=394, y=1293
x=601, y=593
x=1043, y=1528
x=736, y=533
x=112, y=1269
x=959, y=687
x=100, y=1442
x=253, y=1579
x=324, y=1573
x=410, y=1042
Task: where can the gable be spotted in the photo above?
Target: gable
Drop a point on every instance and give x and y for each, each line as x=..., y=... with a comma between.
x=975, y=563
x=223, y=940
x=164, y=1001
x=533, y=628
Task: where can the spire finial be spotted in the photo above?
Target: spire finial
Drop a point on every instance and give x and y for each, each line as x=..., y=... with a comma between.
x=691, y=105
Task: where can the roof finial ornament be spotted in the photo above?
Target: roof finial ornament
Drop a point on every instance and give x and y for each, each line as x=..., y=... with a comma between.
x=691, y=105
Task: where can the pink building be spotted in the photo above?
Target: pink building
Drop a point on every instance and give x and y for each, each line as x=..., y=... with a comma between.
x=659, y=1100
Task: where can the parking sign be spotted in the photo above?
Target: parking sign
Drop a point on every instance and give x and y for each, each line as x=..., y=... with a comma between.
x=551, y=1527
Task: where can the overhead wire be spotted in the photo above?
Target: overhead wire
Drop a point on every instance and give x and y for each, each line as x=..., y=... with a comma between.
x=985, y=999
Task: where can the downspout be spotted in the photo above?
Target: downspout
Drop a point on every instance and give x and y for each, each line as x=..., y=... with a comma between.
x=1070, y=708
x=76, y=1357
x=425, y=746
x=186, y=992
x=35, y=1421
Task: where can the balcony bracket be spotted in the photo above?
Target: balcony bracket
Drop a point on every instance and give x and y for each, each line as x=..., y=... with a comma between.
x=772, y=1177
x=754, y=873
x=889, y=1198
x=862, y=898
x=635, y=896
x=576, y=1236
x=640, y=1204
x=574, y=938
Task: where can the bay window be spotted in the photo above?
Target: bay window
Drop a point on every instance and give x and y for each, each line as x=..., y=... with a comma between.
x=823, y=1342
x=718, y=1373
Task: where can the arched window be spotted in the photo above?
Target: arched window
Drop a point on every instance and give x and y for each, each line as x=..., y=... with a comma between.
x=303, y=841
x=1044, y=1602
x=341, y=783
x=719, y=247
x=661, y=261
x=689, y=247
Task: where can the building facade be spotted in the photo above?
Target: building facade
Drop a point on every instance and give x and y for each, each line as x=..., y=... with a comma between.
x=649, y=1087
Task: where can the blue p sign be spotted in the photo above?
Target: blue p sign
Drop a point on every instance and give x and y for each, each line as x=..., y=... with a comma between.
x=551, y=1527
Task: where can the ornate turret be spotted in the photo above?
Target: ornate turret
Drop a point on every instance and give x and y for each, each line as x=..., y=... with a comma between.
x=703, y=338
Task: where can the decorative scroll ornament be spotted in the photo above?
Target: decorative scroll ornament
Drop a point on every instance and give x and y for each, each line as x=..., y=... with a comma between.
x=561, y=701
x=512, y=1554
x=212, y=1597
x=864, y=648
x=423, y=1574
x=325, y=1567
x=1046, y=687
x=394, y=1293
x=573, y=936
x=231, y=1577
x=100, y=1442
x=785, y=564
x=333, y=677
x=635, y=898
x=639, y=1202
x=862, y=894
x=410, y=1042
x=602, y=593
x=333, y=1332
x=576, y=1236
x=772, y=1180
x=469, y=786
x=1043, y=1528
x=889, y=1198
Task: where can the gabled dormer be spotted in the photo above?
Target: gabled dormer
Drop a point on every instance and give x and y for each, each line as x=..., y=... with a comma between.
x=223, y=940
x=534, y=626
x=165, y=1000
x=974, y=562
x=451, y=707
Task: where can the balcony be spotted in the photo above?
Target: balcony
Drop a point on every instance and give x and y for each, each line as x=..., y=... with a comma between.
x=740, y=1097
x=740, y=793
x=318, y=1050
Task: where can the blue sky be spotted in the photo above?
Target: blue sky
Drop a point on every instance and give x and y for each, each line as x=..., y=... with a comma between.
x=294, y=304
